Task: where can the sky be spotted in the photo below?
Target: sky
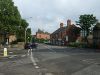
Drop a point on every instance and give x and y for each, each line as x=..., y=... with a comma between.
x=47, y=14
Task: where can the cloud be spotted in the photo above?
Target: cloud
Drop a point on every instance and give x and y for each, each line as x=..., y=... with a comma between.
x=47, y=14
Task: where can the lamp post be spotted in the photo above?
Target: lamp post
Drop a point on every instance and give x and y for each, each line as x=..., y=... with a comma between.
x=25, y=34
x=26, y=29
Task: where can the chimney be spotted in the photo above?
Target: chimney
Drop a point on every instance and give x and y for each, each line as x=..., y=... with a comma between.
x=61, y=25
x=68, y=22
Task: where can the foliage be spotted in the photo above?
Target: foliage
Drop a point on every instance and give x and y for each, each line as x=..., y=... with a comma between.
x=14, y=42
x=87, y=21
x=76, y=30
x=11, y=21
x=75, y=44
x=9, y=16
x=40, y=40
x=24, y=24
x=20, y=39
x=21, y=30
x=42, y=31
x=28, y=33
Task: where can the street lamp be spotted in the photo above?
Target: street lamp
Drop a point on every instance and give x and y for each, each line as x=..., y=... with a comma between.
x=25, y=34
x=26, y=29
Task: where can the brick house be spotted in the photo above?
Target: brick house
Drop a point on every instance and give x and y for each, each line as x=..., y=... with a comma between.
x=42, y=36
x=64, y=34
x=96, y=36
x=8, y=38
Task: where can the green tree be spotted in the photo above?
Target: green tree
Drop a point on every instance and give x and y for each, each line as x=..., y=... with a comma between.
x=10, y=19
x=24, y=24
x=9, y=16
x=21, y=30
x=29, y=36
x=86, y=22
x=40, y=31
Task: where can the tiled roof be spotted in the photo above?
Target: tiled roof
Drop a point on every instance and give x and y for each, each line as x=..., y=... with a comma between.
x=63, y=29
x=60, y=30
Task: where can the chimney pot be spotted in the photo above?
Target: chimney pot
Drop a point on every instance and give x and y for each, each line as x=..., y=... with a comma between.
x=61, y=25
x=68, y=22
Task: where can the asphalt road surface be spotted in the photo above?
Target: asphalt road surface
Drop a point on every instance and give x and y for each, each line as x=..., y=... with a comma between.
x=52, y=60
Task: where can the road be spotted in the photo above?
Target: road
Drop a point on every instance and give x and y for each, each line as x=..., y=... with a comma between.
x=53, y=60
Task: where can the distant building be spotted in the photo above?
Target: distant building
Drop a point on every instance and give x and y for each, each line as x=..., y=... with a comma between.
x=64, y=34
x=7, y=39
x=42, y=36
x=12, y=38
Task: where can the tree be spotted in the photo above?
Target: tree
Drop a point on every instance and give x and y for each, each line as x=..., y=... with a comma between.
x=46, y=32
x=10, y=19
x=40, y=31
x=24, y=24
x=29, y=36
x=22, y=28
x=87, y=22
x=9, y=16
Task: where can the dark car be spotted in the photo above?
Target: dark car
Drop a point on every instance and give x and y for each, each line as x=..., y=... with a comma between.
x=33, y=45
x=27, y=46
x=30, y=46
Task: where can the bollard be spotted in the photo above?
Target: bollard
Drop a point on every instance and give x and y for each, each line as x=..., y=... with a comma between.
x=5, y=52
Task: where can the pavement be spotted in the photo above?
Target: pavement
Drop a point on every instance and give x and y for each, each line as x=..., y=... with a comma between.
x=12, y=53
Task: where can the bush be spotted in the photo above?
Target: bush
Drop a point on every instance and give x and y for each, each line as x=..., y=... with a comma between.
x=20, y=40
x=74, y=44
x=14, y=42
x=41, y=40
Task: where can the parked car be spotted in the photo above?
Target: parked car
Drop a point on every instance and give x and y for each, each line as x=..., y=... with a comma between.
x=33, y=45
x=30, y=45
x=27, y=46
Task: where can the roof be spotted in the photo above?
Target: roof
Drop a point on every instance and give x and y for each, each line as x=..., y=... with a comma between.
x=64, y=28
x=97, y=26
x=60, y=30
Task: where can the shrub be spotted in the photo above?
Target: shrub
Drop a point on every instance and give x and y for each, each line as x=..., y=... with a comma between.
x=14, y=42
x=74, y=44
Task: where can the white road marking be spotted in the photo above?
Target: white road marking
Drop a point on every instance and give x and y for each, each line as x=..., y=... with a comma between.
x=12, y=56
x=33, y=59
x=23, y=55
x=28, y=52
x=37, y=67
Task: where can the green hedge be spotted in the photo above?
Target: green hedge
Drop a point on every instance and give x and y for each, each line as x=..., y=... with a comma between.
x=74, y=44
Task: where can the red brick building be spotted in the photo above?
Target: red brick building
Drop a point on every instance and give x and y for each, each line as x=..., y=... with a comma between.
x=64, y=34
x=42, y=36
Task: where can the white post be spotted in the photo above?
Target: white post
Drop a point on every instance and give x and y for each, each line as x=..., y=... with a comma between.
x=5, y=52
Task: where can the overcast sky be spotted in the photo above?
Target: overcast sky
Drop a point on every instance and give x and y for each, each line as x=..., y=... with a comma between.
x=47, y=14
